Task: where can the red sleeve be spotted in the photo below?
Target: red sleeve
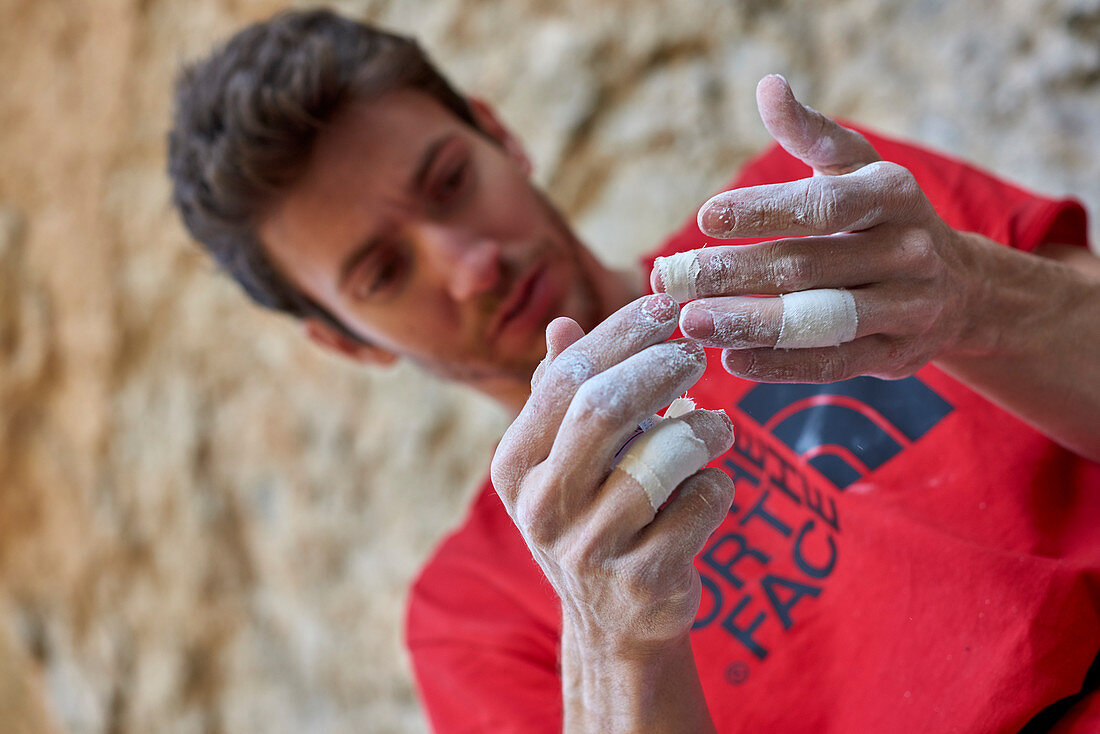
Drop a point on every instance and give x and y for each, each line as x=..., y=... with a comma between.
x=1082, y=718
x=482, y=629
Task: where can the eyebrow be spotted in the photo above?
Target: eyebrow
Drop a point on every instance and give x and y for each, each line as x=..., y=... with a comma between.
x=416, y=184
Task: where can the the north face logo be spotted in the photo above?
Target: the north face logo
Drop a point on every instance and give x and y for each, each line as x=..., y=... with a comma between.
x=783, y=539
x=846, y=429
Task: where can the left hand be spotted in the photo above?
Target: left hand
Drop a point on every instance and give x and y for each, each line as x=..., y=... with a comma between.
x=859, y=223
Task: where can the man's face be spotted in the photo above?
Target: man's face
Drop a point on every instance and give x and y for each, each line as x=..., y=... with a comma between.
x=425, y=237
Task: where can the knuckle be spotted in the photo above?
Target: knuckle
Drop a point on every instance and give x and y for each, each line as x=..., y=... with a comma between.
x=918, y=254
x=723, y=272
x=784, y=365
x=830, y=365
x=889, y=170
x=807, y=207
x=784, y=371
x=571, y=369
x=901, y=361
x=596, y=401
x=914, y=360
x=796, y=271
x=765, y=214
x=925, y=314
x=826, y=206
x=901, y=180
x=500, y=473
x=584, y=556
x=641, y=576
x=535, y=516
x=537, y=375
x=505, y=469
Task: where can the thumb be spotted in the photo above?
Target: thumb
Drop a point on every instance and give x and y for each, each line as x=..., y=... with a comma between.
x=809, y=135
x=561, y=333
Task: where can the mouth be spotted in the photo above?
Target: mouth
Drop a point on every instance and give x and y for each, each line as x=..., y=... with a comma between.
x=526, y=304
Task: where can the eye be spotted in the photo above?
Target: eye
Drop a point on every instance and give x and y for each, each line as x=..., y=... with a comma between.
x=380, y=275
x=451, y=183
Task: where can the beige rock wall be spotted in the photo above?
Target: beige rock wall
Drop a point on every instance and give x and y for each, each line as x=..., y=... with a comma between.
x=205, y=524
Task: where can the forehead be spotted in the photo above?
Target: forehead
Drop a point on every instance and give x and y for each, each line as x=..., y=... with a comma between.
x=359, y=171
x=368, y=143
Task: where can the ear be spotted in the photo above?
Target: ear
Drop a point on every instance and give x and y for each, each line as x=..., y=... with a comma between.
x=486, y=118
x=333, y=340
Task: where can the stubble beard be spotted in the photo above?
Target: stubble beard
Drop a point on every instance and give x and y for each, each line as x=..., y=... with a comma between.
x=583, y=300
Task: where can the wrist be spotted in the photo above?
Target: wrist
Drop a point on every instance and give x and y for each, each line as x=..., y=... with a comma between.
x=621, y=686
x=1002, y=308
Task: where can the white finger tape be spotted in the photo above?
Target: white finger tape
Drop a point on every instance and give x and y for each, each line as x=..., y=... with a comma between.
x=662, y=457
x=679, y=407
x=824, y=317
x=678, y=273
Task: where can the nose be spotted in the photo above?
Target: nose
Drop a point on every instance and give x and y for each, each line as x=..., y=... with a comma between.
x=470, y=263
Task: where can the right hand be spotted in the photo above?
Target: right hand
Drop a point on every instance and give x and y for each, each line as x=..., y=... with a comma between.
x=624, y=572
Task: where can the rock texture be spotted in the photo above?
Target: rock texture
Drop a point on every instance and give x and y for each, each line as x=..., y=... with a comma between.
x=208, y=526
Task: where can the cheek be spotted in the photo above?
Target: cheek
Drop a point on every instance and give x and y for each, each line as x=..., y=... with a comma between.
x=419, y=323
x=508, y=204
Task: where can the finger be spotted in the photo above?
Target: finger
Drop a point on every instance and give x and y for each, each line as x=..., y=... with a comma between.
x=877, y=355
x=608, y=407
x=807, y=134
x=781, y=266
x=683, y=526
x=743, y=322
x=528, y=440
x=622, y=506
x=561, y=333
x=821, y=205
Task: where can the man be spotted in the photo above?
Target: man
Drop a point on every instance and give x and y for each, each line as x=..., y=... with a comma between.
x=907, y=555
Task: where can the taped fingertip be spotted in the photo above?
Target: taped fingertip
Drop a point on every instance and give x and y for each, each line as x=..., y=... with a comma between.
x=678, y=273
x=679, y=407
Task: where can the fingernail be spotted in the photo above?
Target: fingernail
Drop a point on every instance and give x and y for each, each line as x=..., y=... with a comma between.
x=716, y=219
x=737, y=361
x=697, y=323
x=660, y=306
x=656, y=279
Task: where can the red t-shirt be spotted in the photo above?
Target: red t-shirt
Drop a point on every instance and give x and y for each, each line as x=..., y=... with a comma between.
x=902, y=556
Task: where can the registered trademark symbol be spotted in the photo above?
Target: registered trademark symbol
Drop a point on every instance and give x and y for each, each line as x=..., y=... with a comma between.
x=737, y=673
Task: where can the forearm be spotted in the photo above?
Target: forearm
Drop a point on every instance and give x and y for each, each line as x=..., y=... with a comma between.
x=610, y=691
x=1033, y=345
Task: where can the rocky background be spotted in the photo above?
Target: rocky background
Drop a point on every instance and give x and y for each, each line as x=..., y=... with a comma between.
x=206, y=525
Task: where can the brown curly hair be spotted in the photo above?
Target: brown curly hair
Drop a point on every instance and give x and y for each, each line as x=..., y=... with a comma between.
x=246, y=118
